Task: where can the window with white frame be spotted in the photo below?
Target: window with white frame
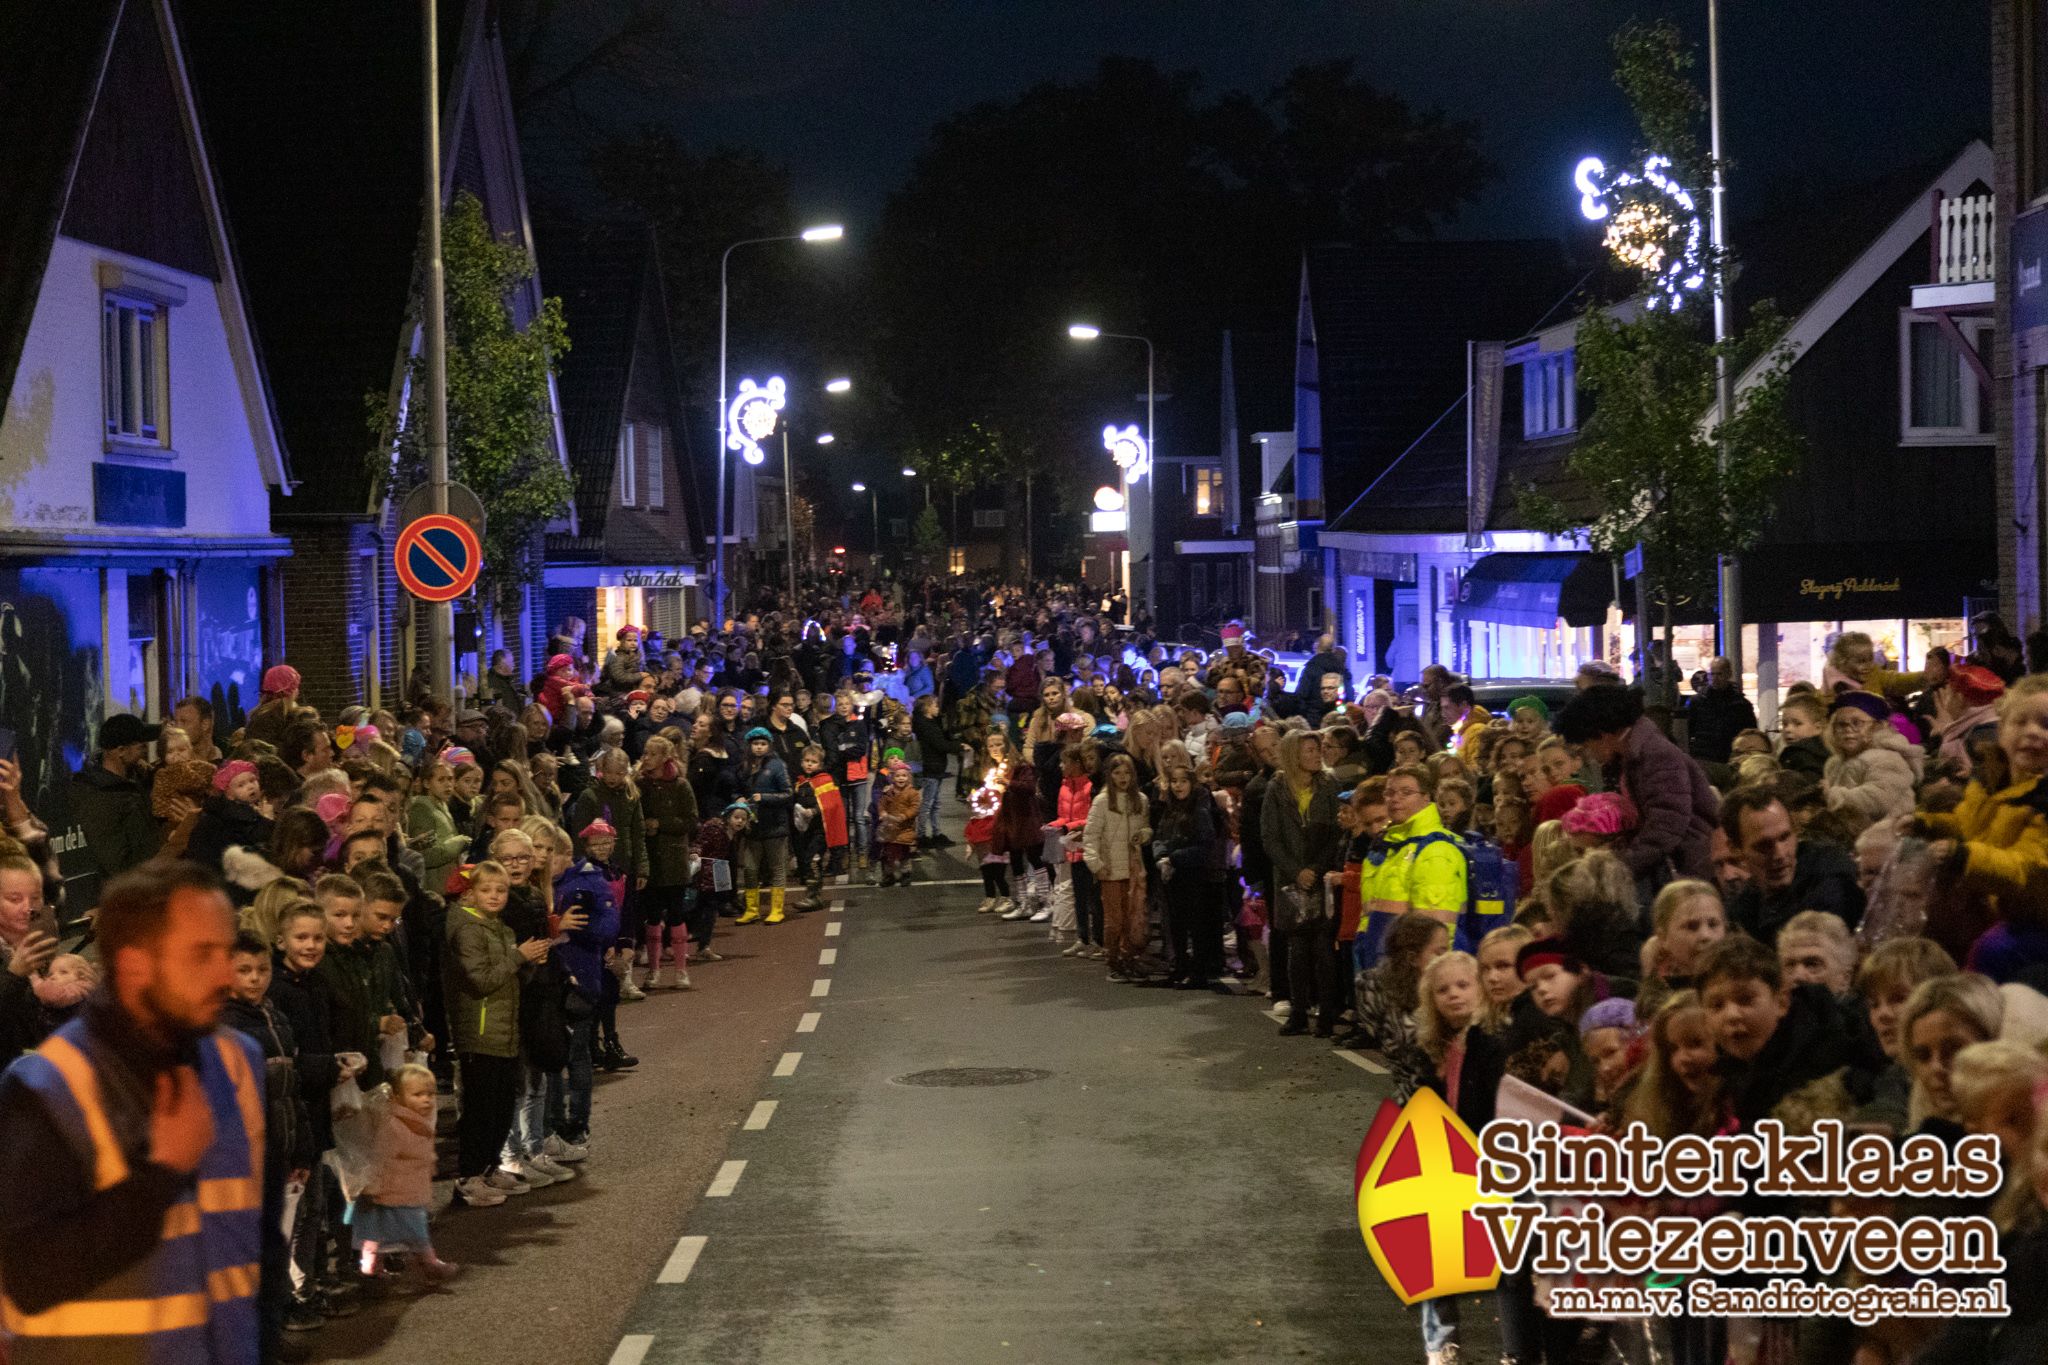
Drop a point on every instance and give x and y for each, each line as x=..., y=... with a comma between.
x=655, y=487
x=1550, y=403
x=988, y=518
x=1941, y=401
x=1208, y=491
x=134, y=369
x=628, y=484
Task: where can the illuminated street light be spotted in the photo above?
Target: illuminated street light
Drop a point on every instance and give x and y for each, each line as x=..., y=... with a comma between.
x=909, y=473
x=826, y=232
x=825, y=438
x=860, y=488
x=1081, y=331
x=1144, y=511
x=839, y=386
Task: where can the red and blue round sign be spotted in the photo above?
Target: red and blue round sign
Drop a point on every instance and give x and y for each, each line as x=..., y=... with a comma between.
x=438, y=557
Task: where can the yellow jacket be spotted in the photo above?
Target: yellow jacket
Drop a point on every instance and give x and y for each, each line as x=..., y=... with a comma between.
x=2005, y=840
x=1418, y=873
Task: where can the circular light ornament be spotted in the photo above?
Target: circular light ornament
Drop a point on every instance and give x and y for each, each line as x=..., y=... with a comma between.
x=1652, y=224
x=751, y=418
x=1129, y=450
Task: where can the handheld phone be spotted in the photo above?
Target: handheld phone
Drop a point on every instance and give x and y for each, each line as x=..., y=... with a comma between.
x=8, y=745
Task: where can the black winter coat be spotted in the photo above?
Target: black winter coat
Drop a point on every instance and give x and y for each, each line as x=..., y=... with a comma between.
x=224, y=824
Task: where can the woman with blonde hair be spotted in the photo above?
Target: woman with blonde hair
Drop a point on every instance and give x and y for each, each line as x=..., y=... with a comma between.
x=1298, y=821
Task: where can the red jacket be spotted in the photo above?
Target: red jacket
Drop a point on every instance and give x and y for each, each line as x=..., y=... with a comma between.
x=1076, y=795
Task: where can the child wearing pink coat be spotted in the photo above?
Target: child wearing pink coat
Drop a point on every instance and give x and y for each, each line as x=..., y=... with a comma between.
x=391, y=1212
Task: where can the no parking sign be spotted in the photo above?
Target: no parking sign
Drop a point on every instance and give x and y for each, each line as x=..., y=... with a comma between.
x=438, y=557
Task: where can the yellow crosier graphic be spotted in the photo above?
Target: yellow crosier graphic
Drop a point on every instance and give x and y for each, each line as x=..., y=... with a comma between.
x=1417, y=1182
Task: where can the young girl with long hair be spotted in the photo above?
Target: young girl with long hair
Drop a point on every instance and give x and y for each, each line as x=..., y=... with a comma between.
x=1119, y=827
x=1389, y=991
x=1189, y=844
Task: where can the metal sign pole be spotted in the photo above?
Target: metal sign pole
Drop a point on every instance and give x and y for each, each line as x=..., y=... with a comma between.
x=440, y=615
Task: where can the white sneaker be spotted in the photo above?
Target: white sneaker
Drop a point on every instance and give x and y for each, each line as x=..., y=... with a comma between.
x=477, y=1192
x=554, y=1149
x=988, y=903
x=628, y=992
x=1075, y=949
x=506, y=1182
x=682, y=981
x=550, y=1168
x=1283, y=1008
x=1097, y=953
x=1017, y=911
x=525, y=1170
x=1042, y=914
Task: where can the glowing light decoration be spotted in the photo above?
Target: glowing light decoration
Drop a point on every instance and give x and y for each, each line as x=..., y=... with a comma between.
x=1128, y=448
x=1652, y=224
x=1107, y=499
x=751, y=418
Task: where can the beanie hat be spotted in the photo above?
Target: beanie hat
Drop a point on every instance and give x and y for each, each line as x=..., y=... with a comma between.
x=559, y=662
x=597, y=829
x=1869, y=703
x=1071, y=720
x=639, y=695
x=1614, y=1012
x=332, y=810
x=1600, y=813
x=229, y=771
x=1975, y=684
x=1530, y=703
x=1546, y=952
x=455, y=756
x=760, y=732
x=279, y=679
x=1233, y=632
x=1238, y=720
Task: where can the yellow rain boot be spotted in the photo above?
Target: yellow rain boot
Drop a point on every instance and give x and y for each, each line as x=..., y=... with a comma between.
x=775, y=906
x=753, y=915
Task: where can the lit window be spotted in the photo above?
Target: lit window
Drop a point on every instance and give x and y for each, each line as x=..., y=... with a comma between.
x=1208, y=492
x=133, y=368
x=956, y=560
x=1941, y=401
x=1550, y=405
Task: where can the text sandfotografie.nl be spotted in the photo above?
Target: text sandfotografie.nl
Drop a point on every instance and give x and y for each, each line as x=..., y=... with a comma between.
x=1864, y=1304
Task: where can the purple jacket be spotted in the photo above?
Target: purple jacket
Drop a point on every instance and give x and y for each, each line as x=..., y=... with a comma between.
x=586, y=887
x=1676, y=808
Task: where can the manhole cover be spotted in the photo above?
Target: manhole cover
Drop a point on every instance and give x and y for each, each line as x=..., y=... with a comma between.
x=956, y=1076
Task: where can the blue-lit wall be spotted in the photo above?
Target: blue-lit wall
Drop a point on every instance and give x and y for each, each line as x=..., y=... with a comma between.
x=50, y=683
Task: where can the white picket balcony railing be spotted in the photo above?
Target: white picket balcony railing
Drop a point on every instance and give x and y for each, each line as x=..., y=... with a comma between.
x=1965, y=240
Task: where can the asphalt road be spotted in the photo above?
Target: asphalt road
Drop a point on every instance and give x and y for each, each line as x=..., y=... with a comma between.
x=1164, y=1179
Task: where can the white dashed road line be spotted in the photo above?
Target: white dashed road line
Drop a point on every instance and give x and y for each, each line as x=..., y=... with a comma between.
x=764, y=1110
x=633, y=1349
x=827, y=956
x=832, y=929
x=821, y=987
x=726, y=1181
x=681, y=1262
x=1361, y=1061
x=787, y=1066
x=809, y=1023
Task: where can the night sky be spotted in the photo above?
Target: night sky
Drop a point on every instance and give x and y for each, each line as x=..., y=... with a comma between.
x=843, y=92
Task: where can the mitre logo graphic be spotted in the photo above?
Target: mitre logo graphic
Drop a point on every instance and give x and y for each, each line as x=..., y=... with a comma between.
x=1417, y=1184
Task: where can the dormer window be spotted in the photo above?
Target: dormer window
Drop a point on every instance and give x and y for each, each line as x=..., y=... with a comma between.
x=1550, y=402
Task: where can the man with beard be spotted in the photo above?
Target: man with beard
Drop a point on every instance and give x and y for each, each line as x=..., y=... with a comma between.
x=116, y=1126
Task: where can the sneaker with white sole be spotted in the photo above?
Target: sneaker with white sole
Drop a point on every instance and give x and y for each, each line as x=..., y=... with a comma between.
x=682, y=981
x=549, y=1167
x=1097, y=953
x=1017, y=910
x=505, y=1182
x=477, y=1192
x=556, y=1149
x=629, y=992
x=988, y=903
x=1042, y=914
x=525, y=1170
x=1075, y=949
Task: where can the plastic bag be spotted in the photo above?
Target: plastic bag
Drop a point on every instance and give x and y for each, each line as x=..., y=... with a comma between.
x=1902, y=895
x=357, y=1117
x=391, y=1051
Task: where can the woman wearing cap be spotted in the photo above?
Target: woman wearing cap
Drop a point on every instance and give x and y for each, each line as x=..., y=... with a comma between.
x=1873, y=771
x=1968, y=704
x=273, y=714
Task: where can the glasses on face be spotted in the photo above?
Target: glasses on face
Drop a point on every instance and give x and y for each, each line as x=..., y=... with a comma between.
x=511, y=858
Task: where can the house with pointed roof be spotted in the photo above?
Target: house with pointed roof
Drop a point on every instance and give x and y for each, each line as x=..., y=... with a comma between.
x=316, y=114
x=632, y=557
x=1888, y=525
x=140, y=450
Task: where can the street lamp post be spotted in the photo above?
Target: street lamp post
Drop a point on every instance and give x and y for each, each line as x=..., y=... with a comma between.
x=1724, y=387
x=830, y=232
x=875, y=515
x=1143, y=519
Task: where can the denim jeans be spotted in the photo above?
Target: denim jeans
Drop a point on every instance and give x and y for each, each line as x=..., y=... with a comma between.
x=569, y=1106
x=928, y=808
x=1439, y=1322
x=859, y=803
x=529, y=1113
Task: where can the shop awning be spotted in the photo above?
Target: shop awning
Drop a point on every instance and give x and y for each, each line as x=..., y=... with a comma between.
x=1913, y=579
x=1538, y=589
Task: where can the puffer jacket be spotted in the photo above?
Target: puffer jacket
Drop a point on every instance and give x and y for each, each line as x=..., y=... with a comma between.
x=769, y=793
x=402, y=1175
x=1076, y=802
x=484, y=967
x=671, y=804
x=445, y=844
x=2004, y=838
x=584, y=885
x=1111, y=839
x=1877, y=783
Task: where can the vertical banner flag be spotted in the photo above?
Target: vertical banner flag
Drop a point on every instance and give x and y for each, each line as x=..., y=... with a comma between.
x=1487, y=360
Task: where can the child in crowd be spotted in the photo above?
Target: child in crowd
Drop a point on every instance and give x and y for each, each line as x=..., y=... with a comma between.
x=1389, y=992
x=1885, y=982
x=1562, y=987
x=1688, y=919
x=1499, y=982
x=1077, y=797
x=391, y=1213
x=1802, y=730
x=1463, y=1063
x=1362, y=816
x=714, y=863
x=485, y=963
x=1678, y=1091
x=1119, y=827
x=61, y=988
x=1608, y=1034
x=1455, y=801
x=1017, y=837
x=1773, y=1037
x=897, y=832
x=807, y=846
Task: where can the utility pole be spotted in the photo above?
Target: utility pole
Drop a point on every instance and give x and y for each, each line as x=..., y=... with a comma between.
x=789, y=516
x=440, y=615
